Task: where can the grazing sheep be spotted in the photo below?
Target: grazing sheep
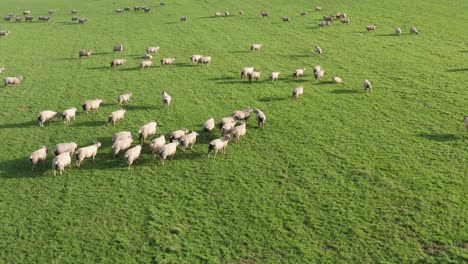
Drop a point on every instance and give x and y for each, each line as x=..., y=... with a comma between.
x=168, y=150
x=87, y=152
x=371, y=28
x=227, y=120
x=298, y=73
x=204, y=60
x=242, y=114
x=51, y=12
x=303, y=13
x=398, y=31
x=12, y=80
x=345, y=20
x=5, y=33
x=82, y=20
x=118, y=48
x=43, y=18
x=217, y=14
x=274, y=76
x=2, y=69
x=147, y=57
x=74, y=12
x=195, y=58
x=466, y=122
x=188, y=140
x=254, y=75
x=328, y=18
x=28, y=18
x=183, y=18
x=26, y=12
x=119, y=11
x=121, y=135
x=298, y=91
x=60, y=162
x=319, y=74
x=413, y=30
x=38, y=155
x=226, y=13
x=118, y=62
x=85, y=53
x=65, y=147
x=241, y=12
x=91, y=105
x=68, y=114
x=119, y=145
x=124, y=98
x=238, y=131
x=255, y=47
x=318, y=50
x=209, y=125
x=219, y=144
x=116, y=116
x=261, y=117
x=145, y=64
x=318, y=8
x=147, y=130
x=152, y=49
x=45, y=116
x=167, y=61
x=367, y=85
x=19, y=19
x=264, y=14
x=166, y=99
x=176, y=135
x=157, y=143
x=286, y=19
x=246, y=70
x=337, y=80
x=132, y=155
x=75, y=18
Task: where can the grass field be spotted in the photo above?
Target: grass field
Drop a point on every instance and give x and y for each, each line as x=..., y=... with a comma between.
x=338, y=176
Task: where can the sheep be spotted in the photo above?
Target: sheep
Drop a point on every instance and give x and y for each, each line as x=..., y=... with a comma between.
x=136, y=8
x=116, y=116
x=195, y=58
x=413, y=30
x=65, y=147
x=238, y=131
x=367, y=85
x=145, y=64
x=324, y=23
x=127, y=8
x=183, y=18
x=219, y=144
x=255, y=47
x=339, y=15
x=2, y=69
x=167, y=61
x=209, y=125
x=87, y=152
x=204, y=60
x=121, y=135
x=188, y=140
x=318, y=8
x=147, y=57
x=68, y=114
x=303, y=13
x=132, y=155
x=5, y=33
x=60, y=162
x=51, y=12
x=162, y=3
x=12, y=14
x=7, y=18
x=45, y=116
x=318, y=50
x=317, y=68
x=254, y=75
x=261, y=117
x=152, y=49
x=226, y=13
x=466, y=122
x=91, y=105
x=328, y=18
x=398, y=31
x=75, y=18
x=119, y=11
x=298, y=91
x=119, y=145
x=19, y=19
x=82, y=20
x=319, y=74
x=345, y=20
x=43, y=18
x=246, y=70
x=337, y=80
x=168, y=150
x=371, y=28
x=118, y=62
x=217, y=14
x=176, y=135
x=124, y=98
x=74, y=12
x=227, y=128
x=28, y=18
x=286, y=19
x=156, y=144
x=241, y=12
x=242, y=114
x=264, y=14
x=298, y=73
x=12, y=80
x=274, y=76
x=26, y=12
x=118, y=48
x=226, y=120
x=166, y=99
x=85, y=53
x=38, y=155
x=147, y=130
x=146, y=9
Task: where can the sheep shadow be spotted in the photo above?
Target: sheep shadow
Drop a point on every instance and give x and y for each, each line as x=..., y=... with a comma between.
x=92, y=123
x=323, y=82
x=21, y=168
x=234, y=82
x=138, y=107
x=20, y=125
x=296, y=80
x=387, y=35
x=241, y=51
x=299, y=56
x=101, y=53
x=66, y=59
x=222, y=78
x=184, y=65
x=439, y=137
x=273, y=99
x=344, y=91
x=99, y=68
x=458, y=70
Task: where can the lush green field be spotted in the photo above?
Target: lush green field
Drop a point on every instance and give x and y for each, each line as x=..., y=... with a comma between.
x=338, y=176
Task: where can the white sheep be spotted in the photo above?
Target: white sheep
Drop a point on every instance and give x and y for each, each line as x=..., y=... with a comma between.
x=398, y=31
x=274, y=76
x=241, y=12
x=116, y=116
x=246, y=70
x=119, y=11
x=298, y=91
x=121, y=135
x=147, y=57
x=239, y=131
x=118, y=48
x=413, y=30
x=65, y=147
x=303, y=13
x=147, y=130
x=226, y=120
x=118, y=62
x=345, y=20
x=2, y=69
x=209, y=125
x=204, y=60
x=91, y=105
x=122, y=144
x=167, y=61
x=183, y=18
x=371, y=28
x=124, y=98
x=219, y=144
x=337, y=80
x=188, y=140
x=39, y=155
x=132, y=155
x=254, y=75
x=195, y=58
x=466, y=122
x=68, y=114
x=82, y=20
x=318, y=8
x=367, y=85
x=255, y=47
x=157, y=143
x=261, y=117
x=152, y=49
x=318, y=50
x=217, y=14
x=176, y=135
x=5, y=33
x=87, y=152
x=51, y=12
x=12, y=80
x=319, y=74
x=60, y=162
x=45, y=116
x=145, y=64
x=298, y=73
x=227, y=128
x=74, y=12
x=264, y=14
x=166, y=99
x=26, y=12
x=286, y=19
x=85, y=53
x=168, y=150
x=226, y=13
x=242, y=114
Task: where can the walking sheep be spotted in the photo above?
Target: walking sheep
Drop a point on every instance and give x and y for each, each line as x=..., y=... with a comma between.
x=121, y=135
x=119, y=145
x=37, y=156
x=91, y=105
x=5, y=33
x=337, y=80
x=116, y=116
x=45, y=116
x=167, y=61
x=12, y=80
x=209, y=125
x=157, y=143
x=87, y=152
x=261, y=117
x=255, y=47
x=60, y=162
x=298, y=73
x=204, y=60
x=132, y=155
x=118, y=48
x=254, y=75
x=367, y=85
x=145, y=64
x=239, y=131
x=219, y=144
x=168, y=150
x=264, y=14
x=371, y=28
x=166, y=99
x=413, y=30
x=242, y=114
x=286, y=19
x=176, y=135
x=118, y=62
x=85, y=53
x=274, y=76
x=147, y=57
x=183, y=18
x=147, y=130
x=188, y=140
x=124, y=98
x=246, y=70
x=65, y=147
x=318, y=50
x=398, y=31
x=298, y=91
x=195, y=58
x=217, y=14
x=227, y=120
x=152, y=49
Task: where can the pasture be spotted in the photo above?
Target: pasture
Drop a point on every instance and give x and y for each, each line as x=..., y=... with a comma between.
x=337, y=176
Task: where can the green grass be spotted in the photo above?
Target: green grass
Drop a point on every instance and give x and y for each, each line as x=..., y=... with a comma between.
x=338, y=176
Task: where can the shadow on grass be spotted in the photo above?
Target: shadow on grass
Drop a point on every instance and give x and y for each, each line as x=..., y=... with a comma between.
x=66, y=59
x=99, y=68
x=273, y=99
x=223, y=78
x=185, y=65
x=323, y=82
x=92, y=123
x=344, y=91
x=439, y=137
x=21, y=168
x=240, y=51
x=20, y=125
x=299, y=56
x=139, y=107
x=386, y=35
x=458, y=70
x=100, y=53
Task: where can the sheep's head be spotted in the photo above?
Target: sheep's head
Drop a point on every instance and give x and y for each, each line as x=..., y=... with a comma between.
x=46, y=149
x=185, y=130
